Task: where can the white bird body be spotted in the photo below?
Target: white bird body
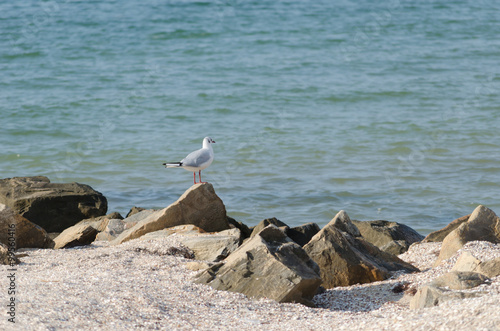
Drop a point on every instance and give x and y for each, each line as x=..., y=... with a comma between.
x=197, y=160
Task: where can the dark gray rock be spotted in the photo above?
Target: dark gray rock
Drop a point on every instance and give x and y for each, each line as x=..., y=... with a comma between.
x=268, y=265
x=245, y=230
x=264, y=223
x=391, y=237
x=26, y=233
x=52, y=206
x=302, y=234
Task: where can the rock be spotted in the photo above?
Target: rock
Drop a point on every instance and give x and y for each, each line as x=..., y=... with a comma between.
x=460, y=280
x=489, y=268
x=26, y=233
x=245, y=230
x=116, y=226
x=80, y=234
x=430, y=296
x=84, y=232
x=8, y=257
x=439, y=235
x=303, y=233
x=269, y=265
x=199, y=206
x=466, y=262
x=212, y=247
x=342, y=222
x=346, y=260
x=99, y=223
x=395, y=247
x=52, y=206
x=262, y=224
x=482, y=225
x=391, y=237
x=205, y=246
x=133, y=219
x=134, y=210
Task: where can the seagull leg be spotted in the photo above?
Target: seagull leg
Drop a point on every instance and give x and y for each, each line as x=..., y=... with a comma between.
x=194, y=177
x=200, y=178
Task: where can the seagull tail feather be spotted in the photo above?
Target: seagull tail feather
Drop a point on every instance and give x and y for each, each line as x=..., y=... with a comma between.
x=172, y=165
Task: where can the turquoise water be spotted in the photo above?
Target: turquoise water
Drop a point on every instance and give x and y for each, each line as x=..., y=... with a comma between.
x=388, y=110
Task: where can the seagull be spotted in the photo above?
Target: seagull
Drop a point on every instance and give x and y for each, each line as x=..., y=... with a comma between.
x=197, y=160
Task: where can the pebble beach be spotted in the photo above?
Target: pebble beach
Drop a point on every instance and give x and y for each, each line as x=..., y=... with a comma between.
x=139, y=285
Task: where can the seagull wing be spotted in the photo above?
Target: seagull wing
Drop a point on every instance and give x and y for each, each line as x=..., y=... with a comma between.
x=197, y=158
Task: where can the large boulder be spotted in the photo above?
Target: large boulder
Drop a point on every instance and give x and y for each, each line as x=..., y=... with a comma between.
x=439, y=235
x=482, y=225
x=25, y=233
x=391, y=237
x=199, y=206
x=346, y=260
x=269, y=265
x=52, y=206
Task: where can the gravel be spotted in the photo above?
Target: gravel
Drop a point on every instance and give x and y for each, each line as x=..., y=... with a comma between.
x=140, y=284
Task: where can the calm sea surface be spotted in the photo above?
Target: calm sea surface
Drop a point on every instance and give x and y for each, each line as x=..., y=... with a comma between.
x=386, y=109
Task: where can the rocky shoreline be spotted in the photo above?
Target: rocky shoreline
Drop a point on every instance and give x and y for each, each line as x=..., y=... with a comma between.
x=349, y=274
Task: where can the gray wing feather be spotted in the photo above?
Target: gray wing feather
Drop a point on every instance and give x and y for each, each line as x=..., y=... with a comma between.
x=196, y=158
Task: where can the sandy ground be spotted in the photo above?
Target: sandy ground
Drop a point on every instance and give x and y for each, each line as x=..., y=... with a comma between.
x=137, y=285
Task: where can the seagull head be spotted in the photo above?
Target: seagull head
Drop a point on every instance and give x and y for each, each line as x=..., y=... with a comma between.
x=208, y=141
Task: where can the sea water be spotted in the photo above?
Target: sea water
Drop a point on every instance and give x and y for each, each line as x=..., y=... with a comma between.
x=385, y=109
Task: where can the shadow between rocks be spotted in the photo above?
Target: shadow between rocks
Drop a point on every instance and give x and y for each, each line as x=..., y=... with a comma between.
x=357, y=298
